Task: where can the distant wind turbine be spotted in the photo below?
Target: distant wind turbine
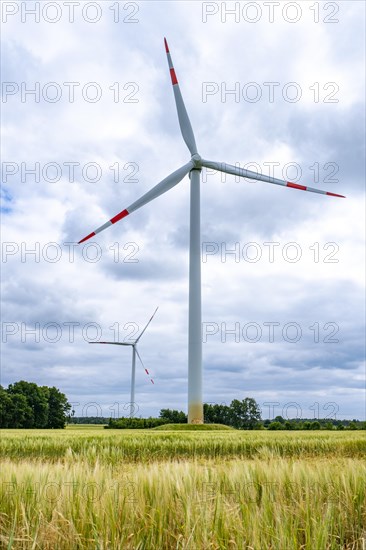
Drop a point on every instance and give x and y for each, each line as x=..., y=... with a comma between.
x=193, y=167
x=134, y=353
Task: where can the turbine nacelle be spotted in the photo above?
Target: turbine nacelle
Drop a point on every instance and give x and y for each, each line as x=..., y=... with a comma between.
x=197, y=160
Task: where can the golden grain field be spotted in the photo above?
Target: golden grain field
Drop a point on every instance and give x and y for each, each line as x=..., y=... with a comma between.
x=89, y=488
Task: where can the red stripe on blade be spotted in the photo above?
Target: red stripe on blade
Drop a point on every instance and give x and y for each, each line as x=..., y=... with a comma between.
x=119, y=216
x=147, y=372
x=296, y=186
x=173, y=77
x=166, y=46
x=86, y=238
x=152, y=381
x=335, y=195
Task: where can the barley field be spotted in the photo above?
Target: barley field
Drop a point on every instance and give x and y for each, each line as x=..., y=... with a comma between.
x=89, y=488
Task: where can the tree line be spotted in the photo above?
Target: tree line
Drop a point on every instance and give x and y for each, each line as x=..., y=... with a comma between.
x=280, y=423
x=243, y=415
x=27, y=405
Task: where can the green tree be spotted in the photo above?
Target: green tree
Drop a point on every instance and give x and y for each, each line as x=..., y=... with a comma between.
x=245, y=414
x=21, y=413
x=216, y=414
x=15, y=411
x=58, y=407
x=275, y=426
x=26, y=405
x=4, y=408
x=315, y=425
x=37, y=400
x=173, y=416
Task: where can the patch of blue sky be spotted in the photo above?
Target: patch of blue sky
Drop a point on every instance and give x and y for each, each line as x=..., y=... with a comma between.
x=6, y=200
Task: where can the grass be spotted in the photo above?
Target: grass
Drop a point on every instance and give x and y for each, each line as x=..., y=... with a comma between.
x=88, y=488
x=116, y=446
x=85, y=426
x=192, y=427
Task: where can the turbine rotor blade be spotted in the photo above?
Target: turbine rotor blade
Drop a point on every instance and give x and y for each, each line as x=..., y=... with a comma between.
x=184, y=122
x=151, y=318
x=162, y=187
x=145, y=369
x=113, y=343
x=235, y=171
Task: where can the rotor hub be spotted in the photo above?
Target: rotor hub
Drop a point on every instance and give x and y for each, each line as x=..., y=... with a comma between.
x=197, y=159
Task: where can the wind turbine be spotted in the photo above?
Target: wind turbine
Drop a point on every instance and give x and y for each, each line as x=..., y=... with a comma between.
x=134, y=353
x=193, y=168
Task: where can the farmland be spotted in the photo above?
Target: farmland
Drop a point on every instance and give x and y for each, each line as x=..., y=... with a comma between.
x=85, y=487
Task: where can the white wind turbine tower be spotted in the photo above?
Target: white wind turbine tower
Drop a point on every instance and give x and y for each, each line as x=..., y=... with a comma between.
x=134, y=353
x=193, y=168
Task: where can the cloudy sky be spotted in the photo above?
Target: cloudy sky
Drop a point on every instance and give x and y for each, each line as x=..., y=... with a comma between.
x=89, y=125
